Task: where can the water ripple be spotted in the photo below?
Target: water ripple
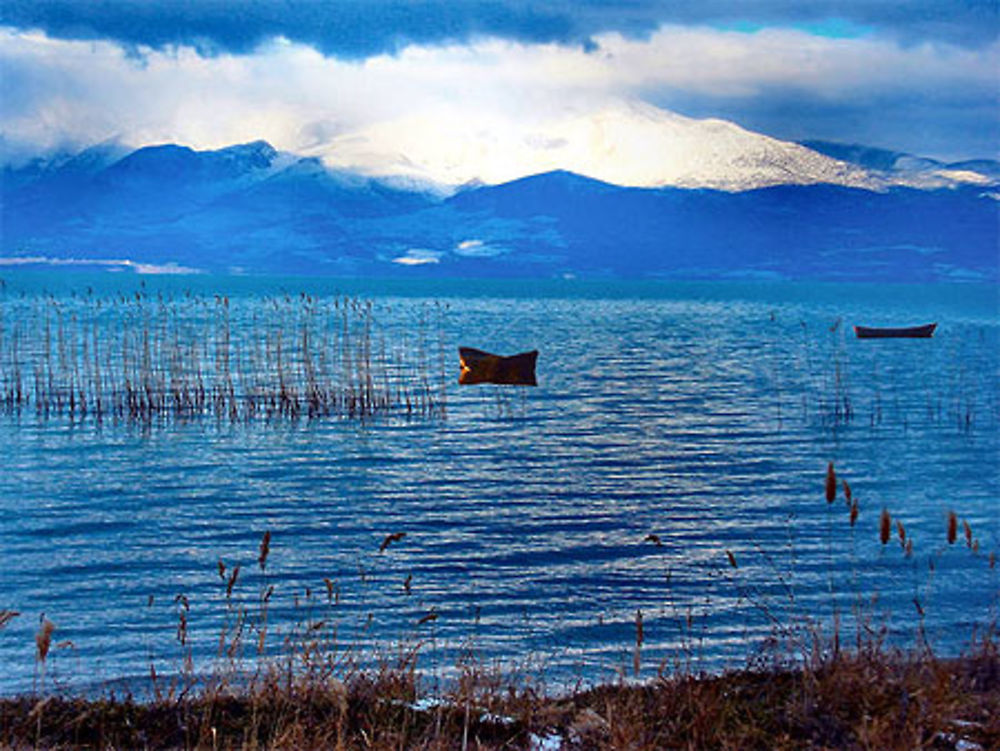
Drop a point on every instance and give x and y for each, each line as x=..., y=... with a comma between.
x=690, y=415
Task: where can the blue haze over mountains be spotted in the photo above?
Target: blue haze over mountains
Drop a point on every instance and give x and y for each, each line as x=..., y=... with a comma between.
x=250, y=208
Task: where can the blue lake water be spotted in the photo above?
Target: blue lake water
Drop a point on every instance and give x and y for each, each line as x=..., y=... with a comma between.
x=702, y=413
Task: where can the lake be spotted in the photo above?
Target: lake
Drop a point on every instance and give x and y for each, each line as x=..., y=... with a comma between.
x=677, y=428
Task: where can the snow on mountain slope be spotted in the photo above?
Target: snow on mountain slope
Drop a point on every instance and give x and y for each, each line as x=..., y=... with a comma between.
x=71, y=167
x=912, y=171
x=630, y=144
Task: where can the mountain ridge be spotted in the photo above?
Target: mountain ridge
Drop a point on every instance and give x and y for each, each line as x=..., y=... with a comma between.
x=253, y=208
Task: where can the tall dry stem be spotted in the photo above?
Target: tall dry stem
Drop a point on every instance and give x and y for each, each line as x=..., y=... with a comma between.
x=43, y=641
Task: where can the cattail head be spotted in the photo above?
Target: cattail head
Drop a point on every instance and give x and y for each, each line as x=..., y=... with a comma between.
x=831, y=483
x=43, y=638
x=848, y=496
x=952, y=527
x=909, y=548
x=854, y=512
x=884, y=526
x=265, y=548
x=732, y=558
x=390, y=539
x=901, y=531
x=968, y=533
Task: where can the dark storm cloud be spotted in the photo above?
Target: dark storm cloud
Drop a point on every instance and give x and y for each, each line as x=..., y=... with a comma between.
x=353, y=29
x=360, y=28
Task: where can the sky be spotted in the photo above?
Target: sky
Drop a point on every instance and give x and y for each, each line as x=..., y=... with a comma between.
x=312, y=77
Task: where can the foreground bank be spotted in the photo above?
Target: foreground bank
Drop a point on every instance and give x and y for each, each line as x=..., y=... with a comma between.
x=865, y=698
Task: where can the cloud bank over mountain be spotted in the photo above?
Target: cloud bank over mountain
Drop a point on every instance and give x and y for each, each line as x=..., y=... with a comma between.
x=922, y=78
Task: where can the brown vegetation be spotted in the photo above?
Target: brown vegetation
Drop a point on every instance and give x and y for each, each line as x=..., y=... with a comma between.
x=868, y=700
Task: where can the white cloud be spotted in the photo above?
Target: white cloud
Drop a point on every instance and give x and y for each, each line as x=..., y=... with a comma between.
x=478, y=249
x=729, y=63
x=419, y=257
x=170, y=268
x=59, y=92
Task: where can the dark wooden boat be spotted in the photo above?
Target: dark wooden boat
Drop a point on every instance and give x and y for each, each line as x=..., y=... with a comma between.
x=483, y=367
x=908, y=332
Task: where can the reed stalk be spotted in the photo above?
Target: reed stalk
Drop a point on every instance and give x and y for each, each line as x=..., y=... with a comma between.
x=133, y=359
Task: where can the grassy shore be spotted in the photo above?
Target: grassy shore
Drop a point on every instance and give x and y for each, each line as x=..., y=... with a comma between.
x=868, y=699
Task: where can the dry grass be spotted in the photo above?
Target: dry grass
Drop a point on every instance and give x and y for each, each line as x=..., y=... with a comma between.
x=867, y=700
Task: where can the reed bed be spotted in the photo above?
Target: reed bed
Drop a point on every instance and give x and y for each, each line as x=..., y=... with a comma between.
x=819, y=371
x=141, y=358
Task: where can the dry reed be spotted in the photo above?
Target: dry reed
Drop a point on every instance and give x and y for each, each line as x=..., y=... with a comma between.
x=265, y=549
x=43, y=639
x=884, y=527
x=43, y=642
x=145, y=359
x=639, y=639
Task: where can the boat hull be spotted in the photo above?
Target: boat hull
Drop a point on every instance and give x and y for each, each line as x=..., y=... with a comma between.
x=484, y=367
x=908, y=332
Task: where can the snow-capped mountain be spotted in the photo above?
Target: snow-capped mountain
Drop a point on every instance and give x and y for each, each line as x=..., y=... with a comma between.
x=631, y=144
x=253, y=208
x=65, y=164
